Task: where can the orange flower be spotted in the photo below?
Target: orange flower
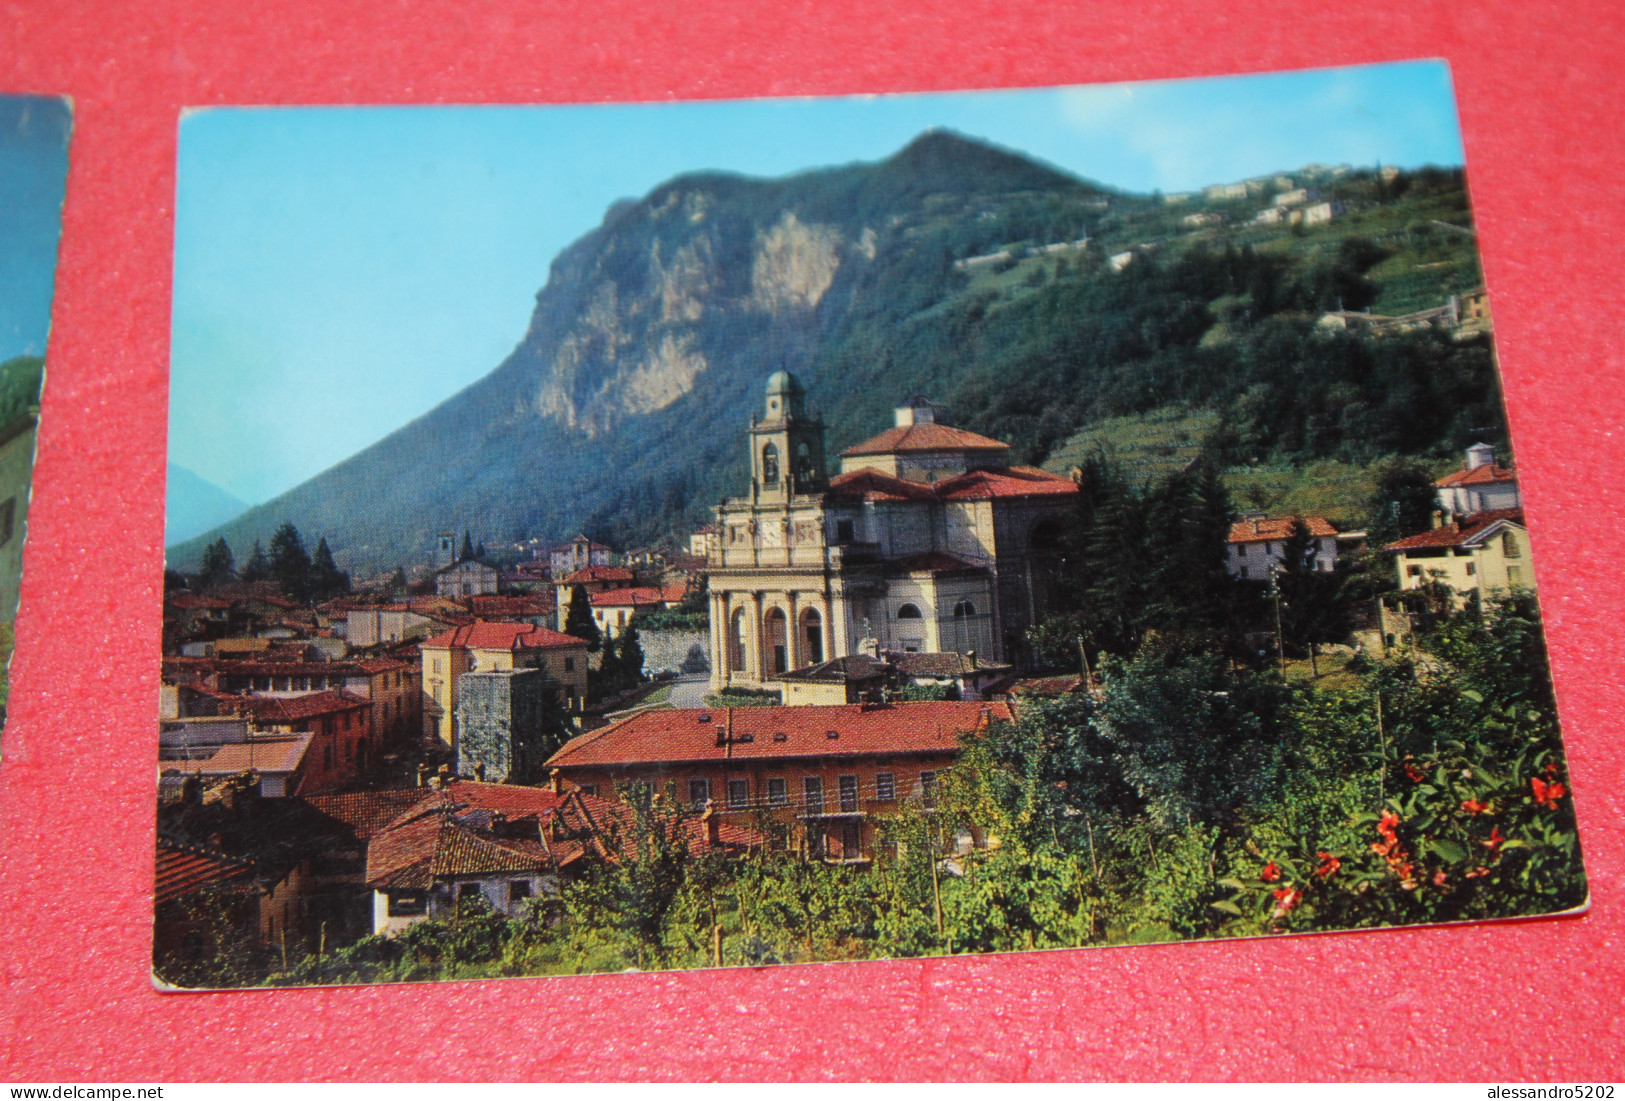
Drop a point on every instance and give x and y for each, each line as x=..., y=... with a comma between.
x=1285, y=899
x=1416, y=774
x=1439, y=878
x=1328, y=865
x=1473, y=806
x=1546, y=794
x=1271, y=873
x=1478, y=873
x=1495, y=841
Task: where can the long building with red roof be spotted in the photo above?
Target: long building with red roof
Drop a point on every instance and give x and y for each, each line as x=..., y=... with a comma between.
x=822, y=773
x=928, y=540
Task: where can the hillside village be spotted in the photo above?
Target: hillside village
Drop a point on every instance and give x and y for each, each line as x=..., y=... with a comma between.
x=871, y=678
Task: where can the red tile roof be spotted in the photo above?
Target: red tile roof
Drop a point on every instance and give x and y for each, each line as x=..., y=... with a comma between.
x=1457, y=533
x=184, y=869
x=924, y=437
x=413, y=856
x=598, y=573
x=1486, y=474
x=668, y=736
x=367, y=812
x=188, y=601
x=1017, y=481
x=872, y=485
x=261, y=755
x=282, y=709
x=615, y=598
x=934, y=562
x=1276, y=528
x=481, y=635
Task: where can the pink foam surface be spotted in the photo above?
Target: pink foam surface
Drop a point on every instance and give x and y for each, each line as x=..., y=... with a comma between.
x=1540, y=90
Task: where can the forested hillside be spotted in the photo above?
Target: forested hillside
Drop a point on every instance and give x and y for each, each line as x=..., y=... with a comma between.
x=1033, y=305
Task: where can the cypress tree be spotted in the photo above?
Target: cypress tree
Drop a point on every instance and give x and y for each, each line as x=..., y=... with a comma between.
x=578, y=621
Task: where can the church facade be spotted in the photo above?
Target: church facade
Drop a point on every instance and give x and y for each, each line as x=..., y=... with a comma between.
x=928, y=540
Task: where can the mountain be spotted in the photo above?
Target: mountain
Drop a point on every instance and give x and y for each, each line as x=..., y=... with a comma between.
x=953, y=268
x=193, y=505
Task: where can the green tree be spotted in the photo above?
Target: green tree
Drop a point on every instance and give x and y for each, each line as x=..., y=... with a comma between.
x=578, y=620
x=629, y=656
x=397, y=580
x=326, y=579
x=468, y=548
x=258, y=567
x=1313, y=608
x=1403, y=503
x=290, y=562
x=217, y=566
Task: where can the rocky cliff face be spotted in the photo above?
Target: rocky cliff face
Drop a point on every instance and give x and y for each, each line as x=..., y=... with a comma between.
x=622, y=406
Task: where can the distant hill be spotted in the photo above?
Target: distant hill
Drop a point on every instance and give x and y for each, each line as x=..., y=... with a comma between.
x=193, y=506
x=955, y=269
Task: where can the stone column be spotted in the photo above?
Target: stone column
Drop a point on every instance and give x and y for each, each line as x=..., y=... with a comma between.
x=792, y=636
x=754, y=664
x=721, y=652
x=826, y=624
x=840, y=634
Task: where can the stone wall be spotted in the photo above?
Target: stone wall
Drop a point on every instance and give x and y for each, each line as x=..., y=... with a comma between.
x=499, y=724
x=676, y=651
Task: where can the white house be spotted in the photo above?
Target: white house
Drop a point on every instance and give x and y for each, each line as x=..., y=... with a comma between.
x=1480, y=485
x=1257, y=545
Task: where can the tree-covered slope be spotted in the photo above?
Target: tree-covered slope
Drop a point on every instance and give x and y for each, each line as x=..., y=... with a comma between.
x=954, y=269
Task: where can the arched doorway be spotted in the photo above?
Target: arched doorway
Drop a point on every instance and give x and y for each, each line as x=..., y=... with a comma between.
x=776, y=640
x=812, y=637
x=964, y=626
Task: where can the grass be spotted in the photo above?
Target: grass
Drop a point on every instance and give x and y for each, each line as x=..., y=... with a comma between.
x=1334, y=675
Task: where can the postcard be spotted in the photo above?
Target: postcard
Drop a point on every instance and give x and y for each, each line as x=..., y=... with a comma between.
x=33, y=178
x=741, y=533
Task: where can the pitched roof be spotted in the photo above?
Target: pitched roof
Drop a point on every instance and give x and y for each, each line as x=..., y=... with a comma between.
x=483, y=635
x=367, y=812
x=924, y=437
x=260, y=755
x=598, y=573
x=187, y=601
x=941, y=665
x=1461, y=532
x=840, y=670
x=281, y=709
x=934, y=562
x=183, y=869
x=769, y=733
x=1486, y=474
x=1276, y=528
x=614, y=598
x=1017, y=481
x=414, y=855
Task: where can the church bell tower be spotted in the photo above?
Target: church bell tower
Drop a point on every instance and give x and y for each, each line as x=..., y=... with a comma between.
x=787, y=445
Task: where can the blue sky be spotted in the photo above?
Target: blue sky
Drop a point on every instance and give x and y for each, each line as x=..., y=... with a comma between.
x=33, y=175
x=339, y=271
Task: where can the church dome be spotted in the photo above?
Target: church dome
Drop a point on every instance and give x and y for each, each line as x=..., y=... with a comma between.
x=783, y=382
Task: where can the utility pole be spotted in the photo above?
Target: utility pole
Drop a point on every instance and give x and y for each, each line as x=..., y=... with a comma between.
x=1280, y=641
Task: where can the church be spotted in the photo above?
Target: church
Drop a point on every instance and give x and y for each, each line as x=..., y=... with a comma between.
x=927, y=541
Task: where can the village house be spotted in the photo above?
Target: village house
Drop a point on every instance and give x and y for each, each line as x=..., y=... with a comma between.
x=1257, y=545
x=927, y=540
x=1485, y=553
x=579, y=553
x=592, y=580
x=859, y=677
x=501, y=845
x=391, y=685
x=1480, y=485
x=822, y=774
x=468, y=577
x=386, y=624
x=613, y=609
x=487, y=647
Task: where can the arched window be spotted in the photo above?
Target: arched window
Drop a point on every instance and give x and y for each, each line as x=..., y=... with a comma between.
x=803, y=466
x=908, y=611
x=964, y=610
x=770, y=465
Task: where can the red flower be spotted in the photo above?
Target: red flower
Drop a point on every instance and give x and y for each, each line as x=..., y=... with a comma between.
x=1285, y=899
x=1439, y=878
x=1551, y=768
x=1416, y=774
x=1477, y=873
x=1271, y=873
x=1495, y=841
x=1473, y=806
x=1328, y=865
x=1546, y=794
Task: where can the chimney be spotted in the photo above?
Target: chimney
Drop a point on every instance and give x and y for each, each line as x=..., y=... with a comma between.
x=713, y=824
x=1438, y=518
x=423, y=774
x=479, y=771
x=554, y=783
